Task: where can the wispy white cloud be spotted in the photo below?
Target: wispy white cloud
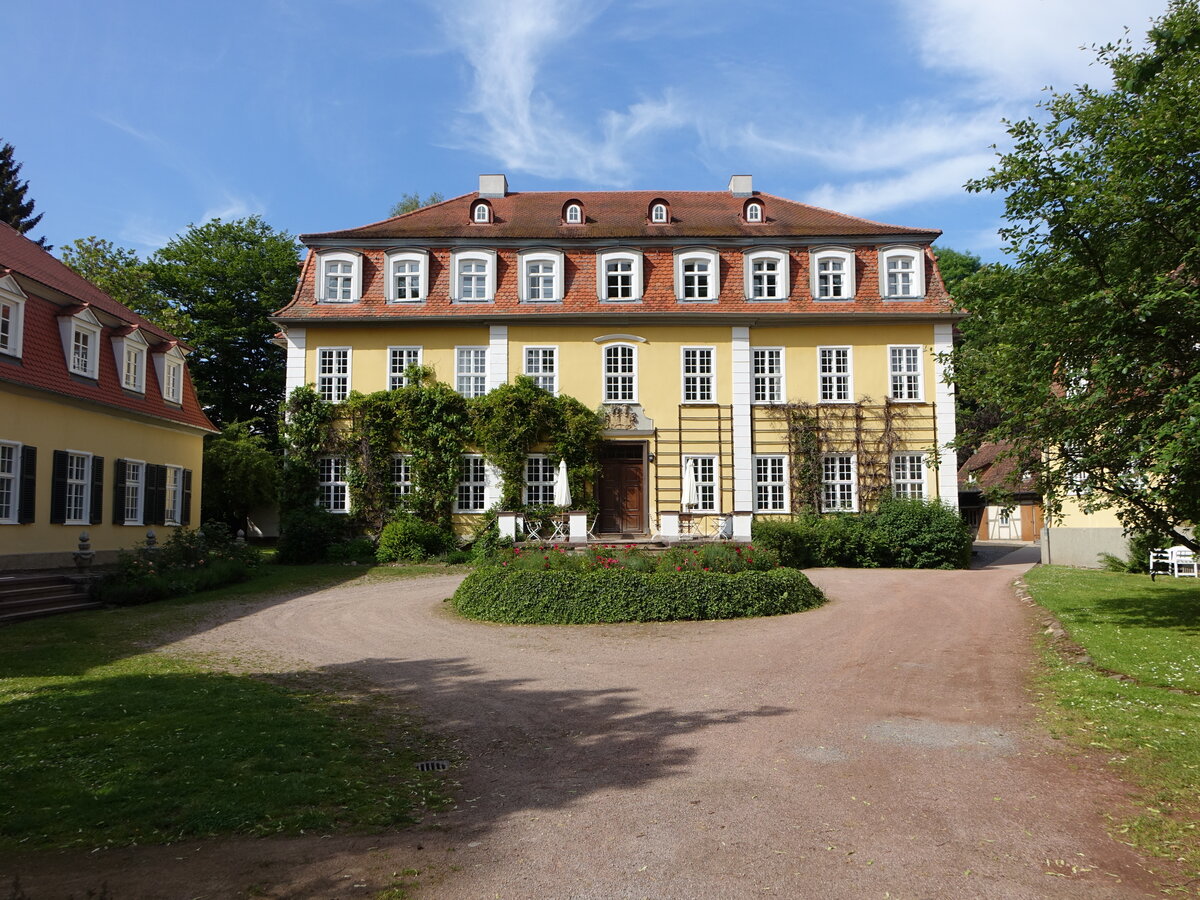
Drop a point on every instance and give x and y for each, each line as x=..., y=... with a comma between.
x=933, y=181
x=232, y=207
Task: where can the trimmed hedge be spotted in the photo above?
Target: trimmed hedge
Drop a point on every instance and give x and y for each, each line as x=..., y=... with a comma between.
x=619, y=595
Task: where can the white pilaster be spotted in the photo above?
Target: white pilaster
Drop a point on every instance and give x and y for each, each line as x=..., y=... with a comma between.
x=294, y=370
x=947, y=473
x=497, y=356
x=491, y=485
x=743, y=468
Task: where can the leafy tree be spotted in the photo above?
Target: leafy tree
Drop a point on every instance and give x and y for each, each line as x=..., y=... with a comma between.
x=240, y=474
x=226, y=278
x=1088, y=343
x=15, y=210
x=955, y=266
x=125, y=277
x=411, y=202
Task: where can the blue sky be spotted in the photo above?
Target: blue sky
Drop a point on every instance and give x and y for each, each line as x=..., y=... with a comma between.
x=134, y=119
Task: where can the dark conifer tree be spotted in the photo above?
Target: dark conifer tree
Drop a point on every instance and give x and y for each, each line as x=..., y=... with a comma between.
x=15, y=210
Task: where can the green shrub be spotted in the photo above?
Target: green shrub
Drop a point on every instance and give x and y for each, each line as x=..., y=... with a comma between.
x=1140, y=544
x=620, y=595
x=921, y=535
x=306, y=534
x=353, y=550
x=409, y=539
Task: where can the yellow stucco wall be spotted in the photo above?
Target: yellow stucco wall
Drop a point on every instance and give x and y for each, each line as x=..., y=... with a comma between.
x=50, y=423
x=1074, y=517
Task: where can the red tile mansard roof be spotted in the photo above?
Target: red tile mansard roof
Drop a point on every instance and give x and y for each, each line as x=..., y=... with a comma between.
x=53, y=292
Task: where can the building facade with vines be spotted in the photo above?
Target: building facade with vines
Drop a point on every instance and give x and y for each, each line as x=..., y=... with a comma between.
x=750, y=354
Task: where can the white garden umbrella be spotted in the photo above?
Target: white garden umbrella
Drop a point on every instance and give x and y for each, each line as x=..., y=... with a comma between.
x=691, y=494
x=562, y=490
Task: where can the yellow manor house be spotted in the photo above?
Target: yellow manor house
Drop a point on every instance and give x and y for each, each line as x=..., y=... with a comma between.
x=752, y=354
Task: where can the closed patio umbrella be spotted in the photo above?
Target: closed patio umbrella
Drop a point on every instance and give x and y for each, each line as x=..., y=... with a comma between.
x=691, y=494
x=562, y=490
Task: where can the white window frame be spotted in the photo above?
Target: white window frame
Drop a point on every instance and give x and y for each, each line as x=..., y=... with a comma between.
x=481, y=213
x=138, y=488
x=634, y=258
x=536, y=372
x=771, y=487
x=660, y=214
x=127, y=349
x=86, y=489
x=338, y=382
x=783, y=284
x=767, y=378
x=83, y=322
x=574, y=214
x=754, y=213
x=712, y=506
x=540, y=488
x=421, y=258
x=836, y=488
x=605, y=374
x=333, y=493
x=694, y=255
x=460, y=258
x=477, y=486
x=555, y=259
x=354, y=258
x=849, y=286
x=397, y=379
x=166, y=363
x=699, y=379
x=906, y=395
x=402, y=484
x=173, y=495
x=833, y=378
x=15, y=304
x=902, y=478
x=478, y=384
x=13, y=480
x=886, y=255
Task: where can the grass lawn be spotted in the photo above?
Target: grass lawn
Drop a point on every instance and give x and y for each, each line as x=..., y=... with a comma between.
x=1150, y=730
x=108, y=742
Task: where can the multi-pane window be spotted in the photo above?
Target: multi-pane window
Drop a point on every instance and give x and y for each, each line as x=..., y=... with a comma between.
x=837, y=483
x=619, y=374
x=768, y=375
x=400, y=360
x=904, y=366
x=402, y=484
x=764, y=277
x=470, y=371
x=539, y=481
x=541, y=364
x=574, y=214
x=696, y=279
x=79, y=472
x=834, y=374
x=753, y=212
x=658, y=214
x=9, y=454
x=770, y=486
x=483, y=213
x=703, y=474
x=173, y=381
x=406, y=279
x=831, y=277
x=618, y=275
x=472, y=480
x=173, y=501
x=908, y=475
x=333, y=492
x=81, y=352
x=698, y=375
x=131, y=376
x=900, y=271
x=134, y=472
x=339, y=281
x=540, y=280
x=10, y=327
x=333, y=373
x=472, y=280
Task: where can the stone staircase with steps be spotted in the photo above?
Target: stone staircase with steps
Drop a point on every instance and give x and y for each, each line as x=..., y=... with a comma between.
x=29, y=595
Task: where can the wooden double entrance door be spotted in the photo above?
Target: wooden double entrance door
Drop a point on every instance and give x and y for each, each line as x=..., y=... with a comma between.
x=622, y=490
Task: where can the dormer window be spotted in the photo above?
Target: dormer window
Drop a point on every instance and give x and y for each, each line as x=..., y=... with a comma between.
x=129, y=348
x=541, y=276
x=902, y=273
x=80, y=335
x=659, y=213
x=408, y=276
x=12, y=308
x=832, y=272
x=474, y=276
x=481, y=213
x=754, y=211
x=573, y=214
x=340, y=274
x=697, y=275
x=169, y=366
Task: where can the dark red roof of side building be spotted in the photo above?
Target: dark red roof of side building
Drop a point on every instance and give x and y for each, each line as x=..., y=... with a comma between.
x=43, y=365
x=994, y=466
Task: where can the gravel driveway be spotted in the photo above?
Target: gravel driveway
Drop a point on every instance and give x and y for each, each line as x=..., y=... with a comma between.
x=883, y=746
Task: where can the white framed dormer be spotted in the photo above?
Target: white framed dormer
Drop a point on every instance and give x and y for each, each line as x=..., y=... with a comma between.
x=473, y=276
x=832, y=273
x=12, y=316
x=902, y=273
x=81, y=342
x=619, y=276
x=753, y=213
x=481, y=213
x=169, y=368
x=407, y=276
x=697, y=275
x=339, y=276
x=573, y=213
x=767, y=275
x=659, y=212
x=129, y=350
x=541, y=276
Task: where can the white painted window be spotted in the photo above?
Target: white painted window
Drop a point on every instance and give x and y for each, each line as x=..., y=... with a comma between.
x=541, y=276
x=574, y=214
x=407, y=276
x=834, y=374
x=340, y=276
x=697, y=275
x=10, y=474
x=79, y=488
x=400, y=360
x=620, y=373
x=908, y=475
x=839, y=487
x=704, y=471
x=541, y=364
x=173, y=502
x=402, y=485
x=333, y=491
x=133, y=372
x=12, y=309
x=333, y=373
x=902, y=273
x=472, y=280
x=134, y=478
x=472, y=482
x=767, y=364
x=770, y=484
x=172, y=386
x=481, y=214
x=80, y=335
x=470, y=371
x=658, y=214
x=832, y=274
x=619, y=276
x=474, y=276
x=904, y=373
x=699, y=378
x=767, y=276
x=754, y=212
x=539, y=481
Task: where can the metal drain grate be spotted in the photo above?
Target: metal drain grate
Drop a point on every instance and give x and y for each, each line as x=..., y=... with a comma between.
x=433, y=765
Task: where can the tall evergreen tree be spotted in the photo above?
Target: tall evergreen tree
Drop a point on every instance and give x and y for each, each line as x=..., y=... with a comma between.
x=15, y=210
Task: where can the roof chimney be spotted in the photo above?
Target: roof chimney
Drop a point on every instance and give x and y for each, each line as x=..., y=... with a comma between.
x=741, y=185
x=493, y=186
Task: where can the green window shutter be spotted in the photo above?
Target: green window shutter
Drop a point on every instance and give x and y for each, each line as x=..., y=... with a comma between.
x=97, y=511
x=27, y=499
x=118, y=512
x=185, y=508
x=58, y=488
